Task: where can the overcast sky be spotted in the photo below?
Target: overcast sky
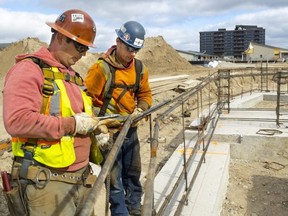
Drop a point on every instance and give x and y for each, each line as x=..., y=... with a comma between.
x=178, y=21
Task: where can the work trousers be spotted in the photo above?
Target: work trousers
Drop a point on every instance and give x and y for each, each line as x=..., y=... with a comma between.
x=56, y=199
x=52, y=197
x=125, y=186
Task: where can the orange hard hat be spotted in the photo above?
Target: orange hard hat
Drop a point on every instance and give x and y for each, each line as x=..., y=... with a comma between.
x=76, y=25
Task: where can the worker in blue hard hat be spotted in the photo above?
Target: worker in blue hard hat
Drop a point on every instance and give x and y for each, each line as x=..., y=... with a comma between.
x=132, y=33
x=126, y=93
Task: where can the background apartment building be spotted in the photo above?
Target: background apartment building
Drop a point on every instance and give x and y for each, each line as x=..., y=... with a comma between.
x=232, y=42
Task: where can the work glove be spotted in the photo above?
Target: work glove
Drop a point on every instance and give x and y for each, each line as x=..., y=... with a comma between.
x=111, y=123
x=105, y=141
x=102, y=140
x=137, y=111
x=85, y=123
x=105, y=132
x=101, y=129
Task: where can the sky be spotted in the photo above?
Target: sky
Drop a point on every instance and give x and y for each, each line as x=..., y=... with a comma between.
x=178, y=22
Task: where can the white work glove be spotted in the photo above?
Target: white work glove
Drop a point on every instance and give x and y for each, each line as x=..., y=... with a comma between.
x=135, y=113
x=105, y=141
x=105, y=132
x=102, y=139
x=85, y=123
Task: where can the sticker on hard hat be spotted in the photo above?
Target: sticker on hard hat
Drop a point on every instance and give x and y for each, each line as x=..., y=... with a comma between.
x=138, y=42
x=62, y=17
x=77, y=18
x=123, y=29
x=126, y=36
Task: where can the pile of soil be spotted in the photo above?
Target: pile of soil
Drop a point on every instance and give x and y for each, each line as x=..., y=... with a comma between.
x=156, y=54
x=161, y=58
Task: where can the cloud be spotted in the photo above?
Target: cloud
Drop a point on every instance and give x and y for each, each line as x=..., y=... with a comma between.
x=273, y=22
x=179, y=22
x=19, y=25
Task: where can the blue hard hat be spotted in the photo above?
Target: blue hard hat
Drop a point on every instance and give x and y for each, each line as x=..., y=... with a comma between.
x=132, y=33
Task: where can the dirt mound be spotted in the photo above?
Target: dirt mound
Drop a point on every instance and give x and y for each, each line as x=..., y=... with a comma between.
x=85, y=63
x=7, y=55
x=160, y=57
x=157, y=55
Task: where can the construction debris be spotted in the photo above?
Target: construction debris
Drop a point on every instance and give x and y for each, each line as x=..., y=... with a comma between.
x=163, y=84
x=188, y=84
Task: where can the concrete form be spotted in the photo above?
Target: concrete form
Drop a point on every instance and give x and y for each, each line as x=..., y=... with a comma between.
x=243, y=133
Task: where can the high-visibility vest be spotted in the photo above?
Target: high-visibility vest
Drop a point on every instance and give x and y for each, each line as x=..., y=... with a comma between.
x=55, y=153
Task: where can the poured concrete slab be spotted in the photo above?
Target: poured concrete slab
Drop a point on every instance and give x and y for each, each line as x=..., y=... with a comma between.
x=243, y=133
x=209, y=195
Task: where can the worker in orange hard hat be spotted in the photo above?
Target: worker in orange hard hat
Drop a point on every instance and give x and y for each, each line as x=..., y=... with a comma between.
x=50, y=120
x=76, y=25
x=78, y=29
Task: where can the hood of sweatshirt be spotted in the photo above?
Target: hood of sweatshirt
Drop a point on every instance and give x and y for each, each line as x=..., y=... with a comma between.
x=110, y=58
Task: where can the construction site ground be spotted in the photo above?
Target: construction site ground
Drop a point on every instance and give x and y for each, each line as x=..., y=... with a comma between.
x=269, y=198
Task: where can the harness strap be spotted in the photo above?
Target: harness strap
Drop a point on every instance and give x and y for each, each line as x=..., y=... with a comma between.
x=51, y=75
x=27, y=160
x=109, y=92
x=138, y=64
x=136, y=87
x=128, y=87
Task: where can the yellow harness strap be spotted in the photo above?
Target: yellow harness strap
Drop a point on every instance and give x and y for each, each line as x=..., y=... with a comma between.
x=49, y=73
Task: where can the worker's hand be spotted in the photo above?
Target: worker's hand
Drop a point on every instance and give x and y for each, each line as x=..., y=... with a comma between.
x=104, y=141
x=101, y=129
x=102, y=138
x=110, y=123
x=85, y=123
x=137, y=111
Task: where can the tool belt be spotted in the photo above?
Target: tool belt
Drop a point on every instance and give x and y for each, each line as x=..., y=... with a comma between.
x=41, y=175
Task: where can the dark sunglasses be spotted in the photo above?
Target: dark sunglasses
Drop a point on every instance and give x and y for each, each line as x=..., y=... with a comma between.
x=130, y=49
x=79, y=47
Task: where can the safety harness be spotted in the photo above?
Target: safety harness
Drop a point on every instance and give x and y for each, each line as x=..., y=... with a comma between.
x=111, y=85
x=47, y=91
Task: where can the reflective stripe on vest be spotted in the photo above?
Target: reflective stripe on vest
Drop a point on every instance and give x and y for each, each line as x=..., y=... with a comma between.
x=56, y=153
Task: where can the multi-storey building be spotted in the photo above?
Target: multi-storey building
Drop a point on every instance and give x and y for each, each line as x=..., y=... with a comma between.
x=232, y=42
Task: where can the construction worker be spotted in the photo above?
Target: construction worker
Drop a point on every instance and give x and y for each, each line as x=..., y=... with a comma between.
x=50, y=120
x=131, y=94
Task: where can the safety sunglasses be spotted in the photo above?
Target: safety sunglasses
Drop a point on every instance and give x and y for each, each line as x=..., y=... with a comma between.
x=130, y=49
x=79, y=47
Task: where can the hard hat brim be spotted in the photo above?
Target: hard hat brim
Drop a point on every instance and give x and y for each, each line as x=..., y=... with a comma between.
x=69, y=35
